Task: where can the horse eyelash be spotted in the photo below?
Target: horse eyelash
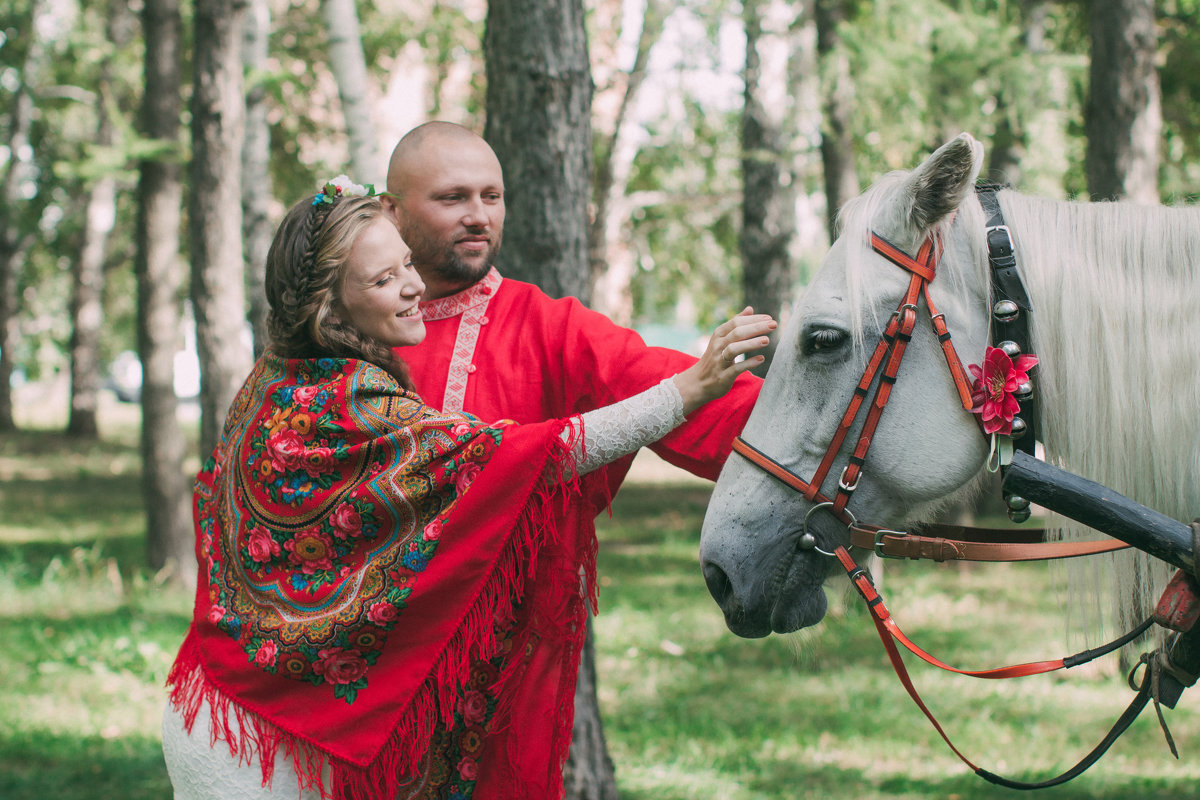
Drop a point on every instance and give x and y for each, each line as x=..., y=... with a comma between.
x=821, y=340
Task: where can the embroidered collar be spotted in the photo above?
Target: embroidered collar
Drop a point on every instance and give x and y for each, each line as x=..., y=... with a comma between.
x=455, y=304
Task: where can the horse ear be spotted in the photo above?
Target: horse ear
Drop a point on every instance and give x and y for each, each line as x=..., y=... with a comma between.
x=943, y=181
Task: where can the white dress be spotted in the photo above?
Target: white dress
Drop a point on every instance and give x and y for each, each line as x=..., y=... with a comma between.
x=201, y=769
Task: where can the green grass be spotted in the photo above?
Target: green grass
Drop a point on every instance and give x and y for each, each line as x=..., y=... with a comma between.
x=690, y=710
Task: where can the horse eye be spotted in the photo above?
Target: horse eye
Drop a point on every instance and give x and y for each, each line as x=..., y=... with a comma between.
x=823, y=340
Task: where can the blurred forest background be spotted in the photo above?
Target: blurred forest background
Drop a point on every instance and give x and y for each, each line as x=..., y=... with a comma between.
x=683, y=157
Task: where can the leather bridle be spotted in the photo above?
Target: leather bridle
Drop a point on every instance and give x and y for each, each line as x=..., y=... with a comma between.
x=884, y=364
x=940, y=542
x=1010, y=307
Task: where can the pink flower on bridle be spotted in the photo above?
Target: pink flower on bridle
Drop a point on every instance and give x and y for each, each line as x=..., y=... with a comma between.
x=993, y=388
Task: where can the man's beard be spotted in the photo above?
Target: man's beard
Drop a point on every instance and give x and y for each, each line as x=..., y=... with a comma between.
x=442, y=261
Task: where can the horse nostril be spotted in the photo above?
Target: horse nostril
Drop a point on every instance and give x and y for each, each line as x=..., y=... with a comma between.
x=719, y=585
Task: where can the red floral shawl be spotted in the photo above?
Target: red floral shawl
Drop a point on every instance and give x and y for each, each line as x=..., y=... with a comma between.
x=365, y=563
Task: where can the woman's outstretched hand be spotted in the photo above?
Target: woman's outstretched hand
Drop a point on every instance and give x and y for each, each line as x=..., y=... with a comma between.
x=714, y=373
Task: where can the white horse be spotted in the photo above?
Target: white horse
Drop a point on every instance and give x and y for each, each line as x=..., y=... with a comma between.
x=1115, y=291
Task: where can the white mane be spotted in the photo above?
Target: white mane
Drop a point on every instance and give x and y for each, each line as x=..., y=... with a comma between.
x=1115, y=289
x=1116, y=295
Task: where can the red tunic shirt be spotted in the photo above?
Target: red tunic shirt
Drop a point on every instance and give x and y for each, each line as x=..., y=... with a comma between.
x=503, y=349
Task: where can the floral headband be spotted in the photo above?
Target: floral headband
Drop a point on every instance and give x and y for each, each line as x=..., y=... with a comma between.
x=342, y=186
x=331, y=191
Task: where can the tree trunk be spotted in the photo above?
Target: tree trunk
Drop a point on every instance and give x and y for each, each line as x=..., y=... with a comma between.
x=1123, y=118
x=589, y=774
x=257, y=229
x=87, y=278
x=169, y=539
x=612, y=261
x=539, y=94
x=837, y=141
x=214, y=210
x=14, y=240
x=350, y=70
x=768, y=196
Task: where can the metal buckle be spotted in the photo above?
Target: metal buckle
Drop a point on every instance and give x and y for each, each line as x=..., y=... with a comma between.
x=879, y=534
x=845, y=487
x=987, y=235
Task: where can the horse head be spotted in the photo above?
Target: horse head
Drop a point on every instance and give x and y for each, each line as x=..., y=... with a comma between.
x=756, y=567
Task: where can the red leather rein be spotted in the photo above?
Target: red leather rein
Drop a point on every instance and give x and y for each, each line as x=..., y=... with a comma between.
x=957, y=542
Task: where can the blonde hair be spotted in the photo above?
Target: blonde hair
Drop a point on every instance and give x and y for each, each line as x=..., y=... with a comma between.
x=305, y=273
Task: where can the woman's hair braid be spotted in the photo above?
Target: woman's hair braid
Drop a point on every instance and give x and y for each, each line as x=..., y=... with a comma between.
x=304, y=276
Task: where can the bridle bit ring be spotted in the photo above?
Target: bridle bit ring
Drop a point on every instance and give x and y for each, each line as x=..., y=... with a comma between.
x=808, y=541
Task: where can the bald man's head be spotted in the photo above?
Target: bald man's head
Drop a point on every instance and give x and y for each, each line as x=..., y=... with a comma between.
x=448, y=203
x=428, y=140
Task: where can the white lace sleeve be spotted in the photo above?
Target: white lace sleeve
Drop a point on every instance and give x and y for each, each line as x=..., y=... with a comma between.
x=623, y=427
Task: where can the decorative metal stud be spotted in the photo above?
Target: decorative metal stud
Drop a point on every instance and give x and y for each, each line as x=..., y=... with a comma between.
x=1006, y=310
x=1019, y=428
x=808, y=541
x=1024, y=391
x=1010, y=348
x=1016, y=502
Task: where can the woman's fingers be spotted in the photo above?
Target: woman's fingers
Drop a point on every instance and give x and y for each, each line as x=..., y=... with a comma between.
x=743, y=334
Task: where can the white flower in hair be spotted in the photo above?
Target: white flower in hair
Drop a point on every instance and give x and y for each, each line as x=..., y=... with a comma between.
x=342, y=186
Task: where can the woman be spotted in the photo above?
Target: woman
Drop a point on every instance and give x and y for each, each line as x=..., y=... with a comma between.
x=375, y=575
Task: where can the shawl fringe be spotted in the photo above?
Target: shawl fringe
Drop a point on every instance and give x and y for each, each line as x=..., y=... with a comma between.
x=399, y=760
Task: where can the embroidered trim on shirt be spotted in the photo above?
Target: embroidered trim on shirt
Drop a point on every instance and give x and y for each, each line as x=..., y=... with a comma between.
x=471, y=303
x=455, y=304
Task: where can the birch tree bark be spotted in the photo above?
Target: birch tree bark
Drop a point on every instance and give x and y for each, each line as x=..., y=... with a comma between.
x=1123, y=117
x=215, y=210
x=100, y=216
x=350, y=70
x=165, y=488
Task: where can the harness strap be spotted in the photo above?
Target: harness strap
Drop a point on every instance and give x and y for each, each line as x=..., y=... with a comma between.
x=1006, y=284
x=890, y=633
x=959, y=543
x=961, y=381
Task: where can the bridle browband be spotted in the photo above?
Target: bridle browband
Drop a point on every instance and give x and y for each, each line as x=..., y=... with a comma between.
x=1010, y=309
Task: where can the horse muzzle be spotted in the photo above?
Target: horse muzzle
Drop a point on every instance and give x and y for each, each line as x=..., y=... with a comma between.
x=779, y=598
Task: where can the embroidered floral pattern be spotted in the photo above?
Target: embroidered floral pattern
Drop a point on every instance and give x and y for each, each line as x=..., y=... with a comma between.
x=309, y=564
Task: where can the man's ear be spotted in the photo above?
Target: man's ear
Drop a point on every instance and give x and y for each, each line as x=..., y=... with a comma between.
x=391, y=207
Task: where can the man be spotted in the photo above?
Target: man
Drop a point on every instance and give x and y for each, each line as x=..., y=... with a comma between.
x=502, y=349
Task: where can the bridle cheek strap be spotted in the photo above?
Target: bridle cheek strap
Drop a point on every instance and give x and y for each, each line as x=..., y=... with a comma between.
x=925, y=266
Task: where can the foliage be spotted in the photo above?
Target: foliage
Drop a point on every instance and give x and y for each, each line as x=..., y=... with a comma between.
x=955, y=66
x=686, y=235
x=67, y=93
x=924, y=70
x=1180, y=75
